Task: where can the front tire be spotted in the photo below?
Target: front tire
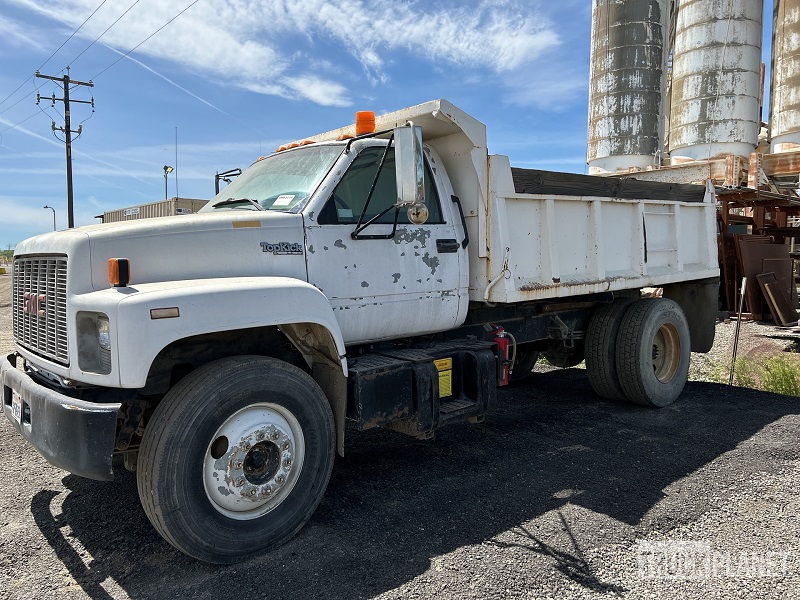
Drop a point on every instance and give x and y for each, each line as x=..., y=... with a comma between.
x=236, y=458
x=653, y=352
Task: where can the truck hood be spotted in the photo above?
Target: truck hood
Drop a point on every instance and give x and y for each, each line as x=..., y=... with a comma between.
x=230, y=243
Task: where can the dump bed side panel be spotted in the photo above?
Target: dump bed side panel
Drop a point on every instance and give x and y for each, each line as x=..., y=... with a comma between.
x=557, y=245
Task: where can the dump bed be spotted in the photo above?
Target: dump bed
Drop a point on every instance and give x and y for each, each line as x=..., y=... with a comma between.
x=596, y=235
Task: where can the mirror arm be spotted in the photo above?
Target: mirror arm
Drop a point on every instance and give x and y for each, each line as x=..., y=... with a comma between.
x=363, y=137
x=356, y=235
x=359, y=226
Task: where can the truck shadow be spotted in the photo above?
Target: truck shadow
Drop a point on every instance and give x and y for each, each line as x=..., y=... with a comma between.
x=394, y=503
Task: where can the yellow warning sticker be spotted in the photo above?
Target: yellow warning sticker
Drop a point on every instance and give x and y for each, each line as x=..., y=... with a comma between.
x=445, y=383
x=443, y=364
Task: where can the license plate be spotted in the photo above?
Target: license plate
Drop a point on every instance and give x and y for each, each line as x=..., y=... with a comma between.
x=16, y=406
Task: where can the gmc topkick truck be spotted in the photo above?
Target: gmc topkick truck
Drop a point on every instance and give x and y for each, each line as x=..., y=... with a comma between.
x=392, y=274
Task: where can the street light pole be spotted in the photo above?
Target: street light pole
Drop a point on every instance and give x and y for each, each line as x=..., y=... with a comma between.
x=54, y=215
x=167, y=171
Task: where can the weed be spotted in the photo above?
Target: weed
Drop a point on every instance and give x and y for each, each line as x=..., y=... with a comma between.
x=779, y=373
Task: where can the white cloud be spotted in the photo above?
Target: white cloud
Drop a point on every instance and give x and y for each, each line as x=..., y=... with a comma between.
x=16, y=34
x=28, y=212
x=319, y=90
x=553, y=87
x=252, y=44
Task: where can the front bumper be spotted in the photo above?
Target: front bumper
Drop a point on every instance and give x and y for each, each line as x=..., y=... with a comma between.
x=72, y=434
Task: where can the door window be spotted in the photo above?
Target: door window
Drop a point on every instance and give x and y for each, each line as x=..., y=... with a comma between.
x=348, y=199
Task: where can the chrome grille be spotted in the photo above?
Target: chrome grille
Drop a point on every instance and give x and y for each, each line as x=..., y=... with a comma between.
x=39, y=301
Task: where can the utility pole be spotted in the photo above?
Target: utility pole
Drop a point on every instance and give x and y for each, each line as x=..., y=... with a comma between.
x=66, y=130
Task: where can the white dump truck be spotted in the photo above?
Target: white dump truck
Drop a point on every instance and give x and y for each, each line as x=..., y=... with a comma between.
x=391, y=276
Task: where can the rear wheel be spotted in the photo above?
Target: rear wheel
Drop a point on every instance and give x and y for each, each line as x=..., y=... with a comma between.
x=601, y=349
x=653, y=352
x=236, y=458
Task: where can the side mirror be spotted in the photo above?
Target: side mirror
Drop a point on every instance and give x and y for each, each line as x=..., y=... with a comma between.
x=410, y=172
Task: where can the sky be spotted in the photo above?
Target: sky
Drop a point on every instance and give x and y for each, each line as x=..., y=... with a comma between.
x=238, y=78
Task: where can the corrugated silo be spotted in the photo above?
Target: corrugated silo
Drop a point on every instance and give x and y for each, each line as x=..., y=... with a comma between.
x=784, y=118
x=716, y=77
x=626, y=83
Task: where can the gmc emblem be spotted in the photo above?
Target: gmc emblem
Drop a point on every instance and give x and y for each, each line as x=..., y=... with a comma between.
x=34, y=304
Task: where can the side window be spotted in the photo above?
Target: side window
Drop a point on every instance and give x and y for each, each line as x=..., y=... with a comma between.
x=350, y=195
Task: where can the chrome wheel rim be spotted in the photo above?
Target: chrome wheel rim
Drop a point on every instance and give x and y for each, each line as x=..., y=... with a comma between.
x=253, y=461
x=666, y=353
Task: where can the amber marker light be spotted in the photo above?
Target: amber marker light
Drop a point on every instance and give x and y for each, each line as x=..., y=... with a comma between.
x=365, y=122
x=119, y=272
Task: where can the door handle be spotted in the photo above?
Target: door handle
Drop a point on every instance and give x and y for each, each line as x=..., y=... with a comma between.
x=447, y=245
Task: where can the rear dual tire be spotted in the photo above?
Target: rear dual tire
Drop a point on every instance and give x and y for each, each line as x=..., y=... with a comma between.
x=639, y=351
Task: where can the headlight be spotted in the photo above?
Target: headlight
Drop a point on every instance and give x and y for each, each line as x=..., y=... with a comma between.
x=94, y=342
x=103, y=333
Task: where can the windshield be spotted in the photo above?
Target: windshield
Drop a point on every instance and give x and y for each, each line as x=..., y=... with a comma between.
x=281, y=182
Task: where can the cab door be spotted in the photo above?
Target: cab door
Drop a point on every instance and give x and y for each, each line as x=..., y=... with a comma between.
x=402, y=285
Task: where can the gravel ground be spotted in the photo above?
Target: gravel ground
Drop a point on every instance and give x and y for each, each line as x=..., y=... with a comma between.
x=556, y=495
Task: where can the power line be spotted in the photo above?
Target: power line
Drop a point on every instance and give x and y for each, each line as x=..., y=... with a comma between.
x=117, y=20
x=39, y=105
x=99, y=6
x=145, y=39
x=10, y=106
x=24, y=81
x=18, y=123
x=19, y=87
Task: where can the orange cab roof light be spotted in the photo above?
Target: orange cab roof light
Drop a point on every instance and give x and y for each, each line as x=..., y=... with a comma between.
x=365, y=122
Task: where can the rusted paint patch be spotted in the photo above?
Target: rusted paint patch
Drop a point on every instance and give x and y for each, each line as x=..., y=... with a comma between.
x=408, y=235
x=340, y=244
x=364, y=284
x=396, y=277
x=431, y=261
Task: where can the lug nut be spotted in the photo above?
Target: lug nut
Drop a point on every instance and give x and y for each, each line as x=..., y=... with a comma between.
x=287, y=462
x=285, y=445
x=239, y=482
x=276, y=435
x=280, y=479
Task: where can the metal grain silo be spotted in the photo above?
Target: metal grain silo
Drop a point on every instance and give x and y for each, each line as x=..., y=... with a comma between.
x=784, y=118
x=626, y=83
x=716, y=77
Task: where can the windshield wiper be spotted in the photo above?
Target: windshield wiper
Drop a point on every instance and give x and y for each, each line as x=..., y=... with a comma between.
x=239, y=201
